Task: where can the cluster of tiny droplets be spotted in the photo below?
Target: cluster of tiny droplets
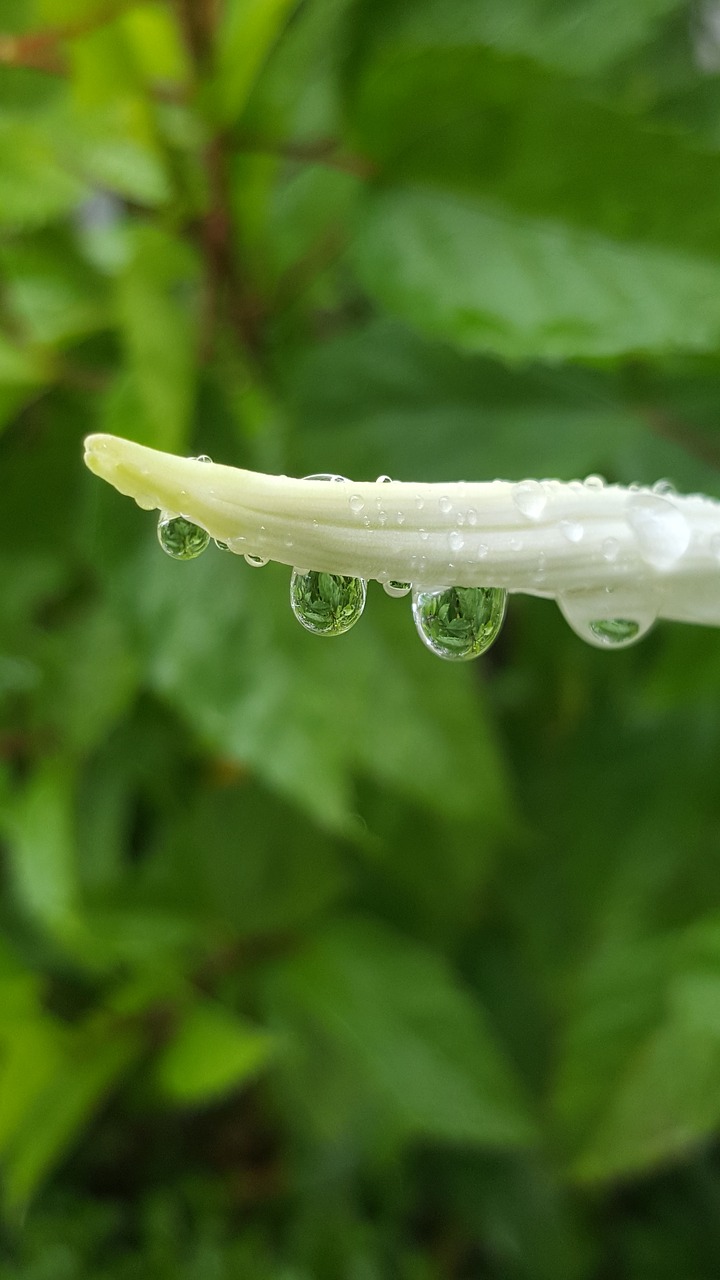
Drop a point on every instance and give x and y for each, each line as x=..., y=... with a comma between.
x=460, y=623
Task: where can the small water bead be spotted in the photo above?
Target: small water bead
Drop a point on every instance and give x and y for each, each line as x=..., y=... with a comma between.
x=203, y=457
x=459, y=623
x=384, y=480
x=665, y=488
x=221, y=546
x=571, y=530
x=530, y=498
x=180, y=538
x=255, y=562
x=660, y=527
x=445, y=505
x=327, y=604
x=396, y=589
x=456, y=540
x=610, y=549
x=326, y=475
x=471, y=516
x=594, y=482
x=357, y=504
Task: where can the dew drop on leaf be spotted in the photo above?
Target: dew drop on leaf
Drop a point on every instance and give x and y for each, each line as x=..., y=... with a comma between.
x=396, y=589
x=458, y=623
x=328, y=604
x=180, y=538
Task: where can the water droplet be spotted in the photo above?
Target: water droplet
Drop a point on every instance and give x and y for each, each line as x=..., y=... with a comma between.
x=610, y=549
x=357, y=504
x=221, y=546
x=458, y=623
x=594, y=482
x=445, y=505
x=400, y=517
x=665, y=488
x=396, y=589
x=419, y=501
x=471, y=516
x=588, y=618
x=530, y=498
x=571, y=530
x=327, y=604
x=326, y=475
x=482, y=550
x=424, y=534
x=615, y=631
x=660, y=528
x=456, y=540
x=515, y=544
x=180, y=538
x=384, y=480
x=203, y=457
x=255, y=562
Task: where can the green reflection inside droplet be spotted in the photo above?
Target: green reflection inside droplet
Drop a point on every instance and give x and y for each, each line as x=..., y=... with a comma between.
x=458, y=623
x=326, y=603
x=396, y=589
x=615, y=630
x=180, y=538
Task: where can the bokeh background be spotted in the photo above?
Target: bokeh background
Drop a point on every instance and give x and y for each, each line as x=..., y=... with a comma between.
x=327, y=960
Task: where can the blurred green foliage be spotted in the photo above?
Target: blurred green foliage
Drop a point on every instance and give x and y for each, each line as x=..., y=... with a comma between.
x=323, y=960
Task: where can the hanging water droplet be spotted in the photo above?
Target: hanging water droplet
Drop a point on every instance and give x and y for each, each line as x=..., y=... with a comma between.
x=530, y=498
x=396, y=589
x=458, y=623
x=221, y=546
x=661, y=529
x=572, y=530
x=327, y=604
x=255, y=562
x=180, y=538
x=357, y=504
x=593, y=617
x=456, y=540
x=615, y=631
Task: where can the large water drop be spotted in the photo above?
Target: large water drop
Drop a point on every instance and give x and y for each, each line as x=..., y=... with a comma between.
x=604, y=621
x=180, y=538
x=458, y=623
x=660, y=527
x=327, y=604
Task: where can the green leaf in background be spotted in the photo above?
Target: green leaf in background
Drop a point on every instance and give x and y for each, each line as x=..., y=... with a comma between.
x=578, y=36
x=420, y=1040
x=38, y=823
x=248, y=31
x=489, y=279
x=157, y=313
x=94, y=1057
x=212, y=1052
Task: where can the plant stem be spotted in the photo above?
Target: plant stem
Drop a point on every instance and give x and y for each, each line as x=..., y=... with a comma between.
x=585, y=540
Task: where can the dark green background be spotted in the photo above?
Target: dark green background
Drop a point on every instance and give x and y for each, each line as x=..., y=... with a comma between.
x=324, y=959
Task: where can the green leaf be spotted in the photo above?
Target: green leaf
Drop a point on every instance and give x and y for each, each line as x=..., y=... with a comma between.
x=418, y=1038
x=247, y=32
x=212, y=1053
x=636, y=1082
x=39, y=825
x=578, y=36
x=51, y=292
x=488, y=279
x=157, y=310
x=35, y=187
x=95, y=1056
